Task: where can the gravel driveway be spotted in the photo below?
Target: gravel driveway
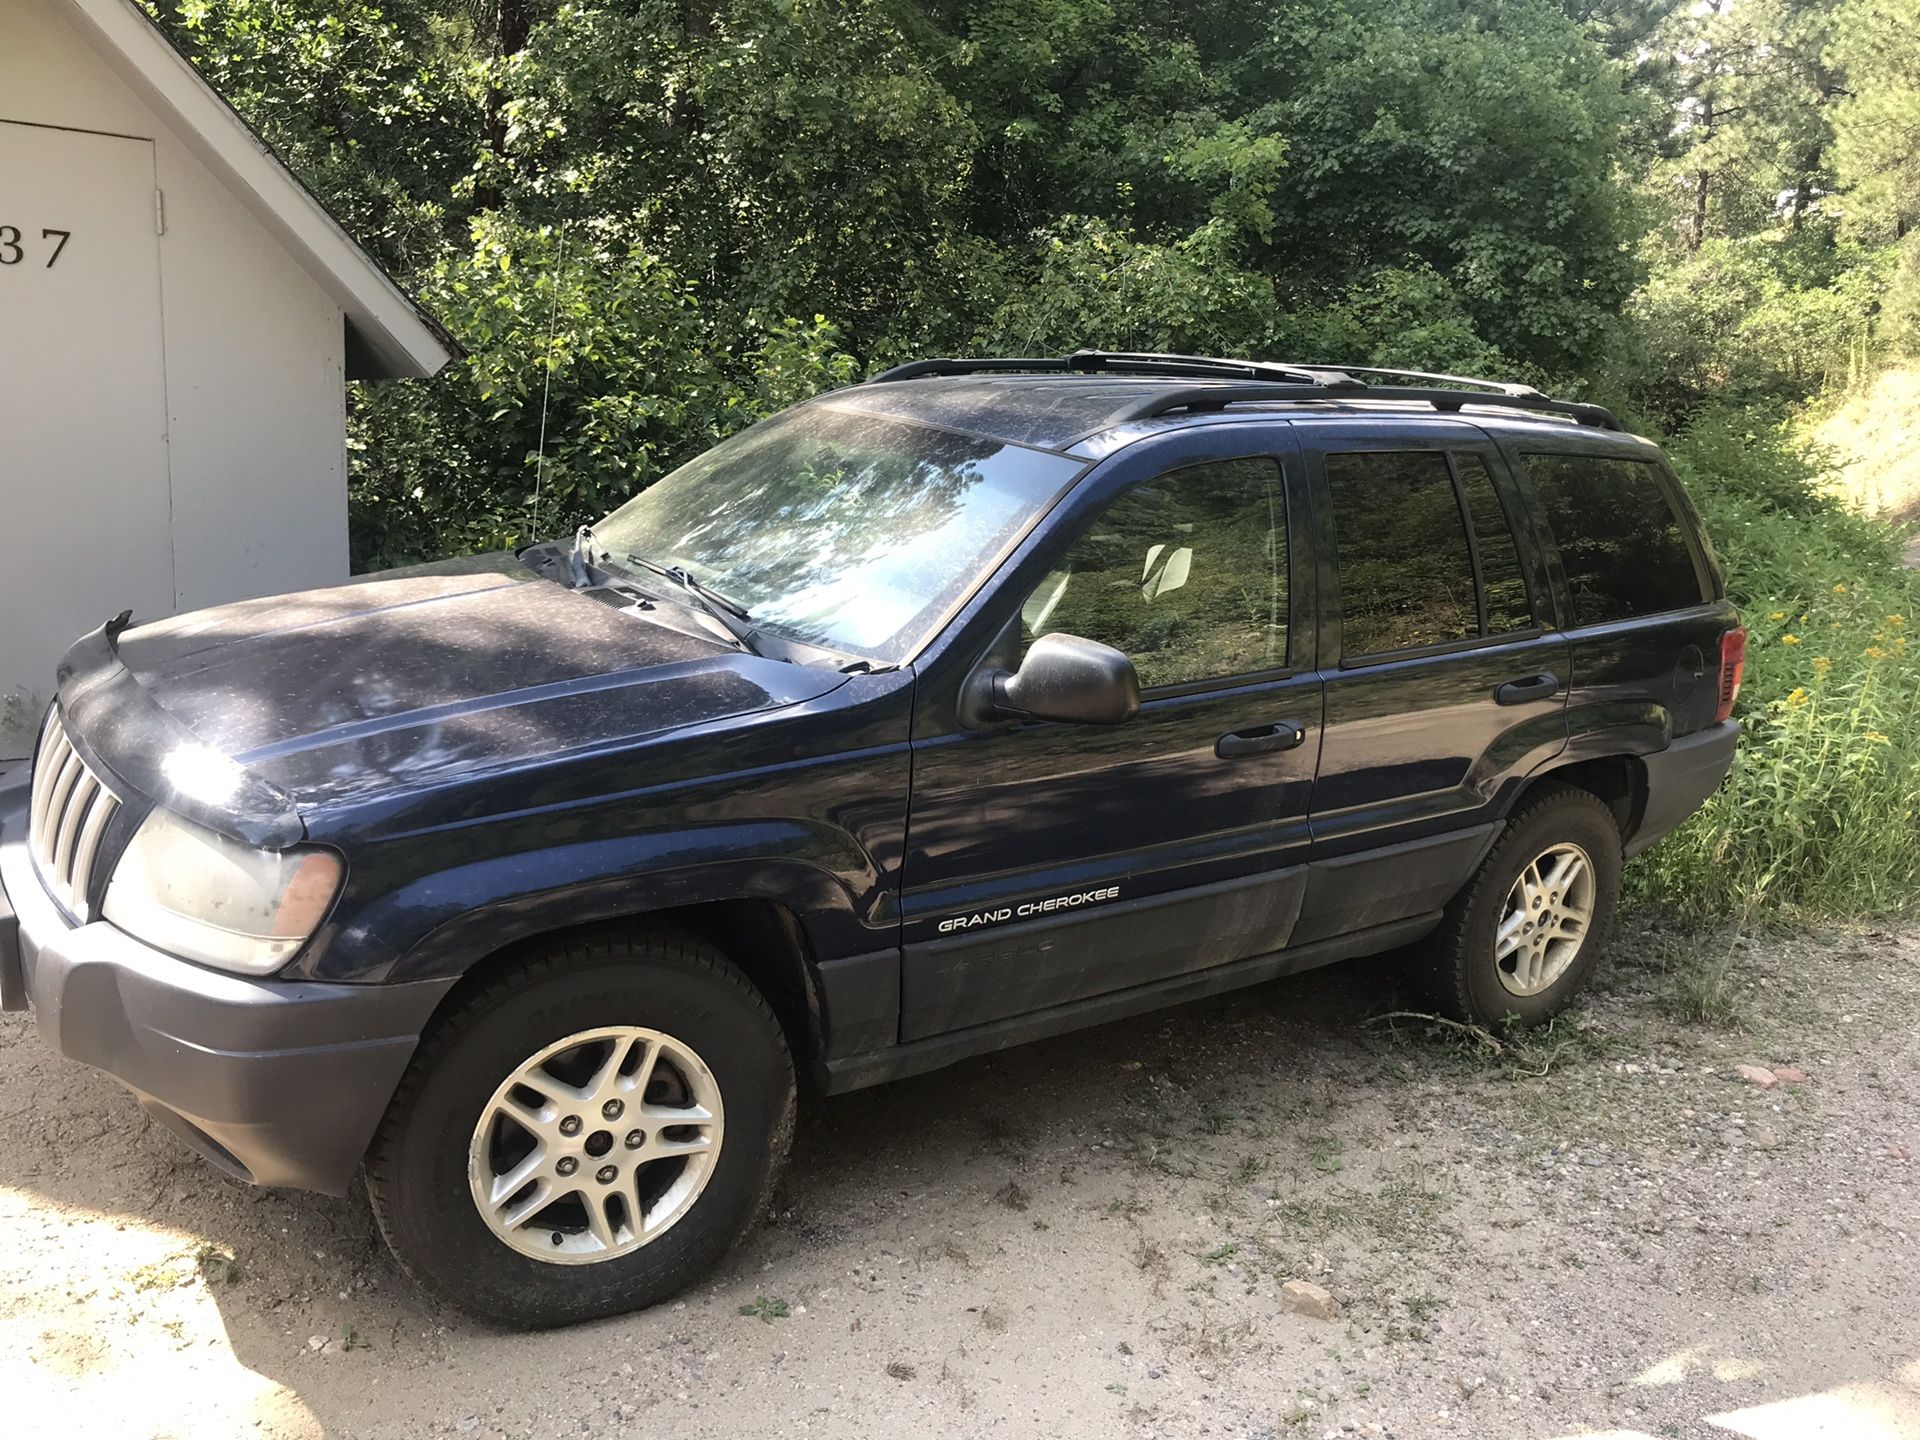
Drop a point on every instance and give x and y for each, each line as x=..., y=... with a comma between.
x=1090, y=1237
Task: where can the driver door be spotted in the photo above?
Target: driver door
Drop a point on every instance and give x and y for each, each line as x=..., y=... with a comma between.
x=1050, y=862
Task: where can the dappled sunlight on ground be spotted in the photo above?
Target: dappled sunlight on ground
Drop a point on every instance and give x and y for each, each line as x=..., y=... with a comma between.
x=1885, y=1410
x=1678, y=1366
x=133, y=1348
x=1847, y=1412
x=1888, y=1411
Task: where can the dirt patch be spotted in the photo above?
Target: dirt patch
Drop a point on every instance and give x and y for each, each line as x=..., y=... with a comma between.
x=1603, y=1230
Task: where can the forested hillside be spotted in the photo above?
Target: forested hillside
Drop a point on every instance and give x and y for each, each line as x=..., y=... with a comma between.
x=678, y=216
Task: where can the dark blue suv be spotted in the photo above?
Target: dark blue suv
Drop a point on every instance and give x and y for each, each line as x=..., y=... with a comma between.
x=978, y=702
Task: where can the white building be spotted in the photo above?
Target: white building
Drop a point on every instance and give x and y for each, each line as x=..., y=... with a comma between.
x=178, y=321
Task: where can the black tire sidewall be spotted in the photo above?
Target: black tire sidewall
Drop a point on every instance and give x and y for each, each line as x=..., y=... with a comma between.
x=1568, y=817
x=425, y=1200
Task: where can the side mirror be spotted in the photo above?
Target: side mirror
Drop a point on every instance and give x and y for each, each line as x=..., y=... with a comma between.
x=1066, y=678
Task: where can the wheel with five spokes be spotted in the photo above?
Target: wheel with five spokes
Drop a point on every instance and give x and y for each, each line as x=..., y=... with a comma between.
x=596, y=1144
x=585, y=1132
x=1526, y=932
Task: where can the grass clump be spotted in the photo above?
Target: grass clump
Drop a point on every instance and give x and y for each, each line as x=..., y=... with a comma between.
x=1693, y=972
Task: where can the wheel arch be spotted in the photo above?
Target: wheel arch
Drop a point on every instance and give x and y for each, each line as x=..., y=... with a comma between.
x=1618, y=781
x=766, y=939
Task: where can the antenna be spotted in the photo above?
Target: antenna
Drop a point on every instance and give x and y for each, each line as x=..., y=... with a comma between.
x=546, y=386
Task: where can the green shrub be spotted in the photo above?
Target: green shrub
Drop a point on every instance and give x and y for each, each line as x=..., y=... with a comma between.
x=590, y=372
x=1818, y=816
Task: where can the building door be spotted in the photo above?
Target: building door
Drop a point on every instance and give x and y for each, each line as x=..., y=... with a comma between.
x=84, y=497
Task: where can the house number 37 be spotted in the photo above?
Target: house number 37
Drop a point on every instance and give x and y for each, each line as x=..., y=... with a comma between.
x=13, y=248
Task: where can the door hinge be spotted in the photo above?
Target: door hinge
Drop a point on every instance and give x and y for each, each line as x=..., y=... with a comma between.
x=159, y=212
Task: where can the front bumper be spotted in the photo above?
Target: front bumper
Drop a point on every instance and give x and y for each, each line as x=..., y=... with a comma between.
x=277, y=1082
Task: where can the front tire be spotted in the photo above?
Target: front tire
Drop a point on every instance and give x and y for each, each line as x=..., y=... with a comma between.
x=587, y=1132
x=1525, y=934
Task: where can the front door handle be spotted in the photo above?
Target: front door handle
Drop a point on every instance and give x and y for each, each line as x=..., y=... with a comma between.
x=1281, y=735
x=1534, y=687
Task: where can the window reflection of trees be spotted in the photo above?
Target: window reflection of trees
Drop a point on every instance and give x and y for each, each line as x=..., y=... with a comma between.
x=1186, y=574
x=1620, y=541
x=1501, y=578
x=849, y=529
x=1406, y=576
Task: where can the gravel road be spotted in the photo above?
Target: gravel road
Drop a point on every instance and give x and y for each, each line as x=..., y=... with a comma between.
x=1091, y=1237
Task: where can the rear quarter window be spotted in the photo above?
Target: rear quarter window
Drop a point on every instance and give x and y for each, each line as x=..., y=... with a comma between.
x=1622, y=542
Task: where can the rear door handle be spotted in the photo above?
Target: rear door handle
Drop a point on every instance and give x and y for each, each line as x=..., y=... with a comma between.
x=1534, y=687
x=1281, y=735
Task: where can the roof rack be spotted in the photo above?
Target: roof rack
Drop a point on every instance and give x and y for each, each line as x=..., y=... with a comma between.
x=1501, y=387
x=1270, y=383
x=1217, y=397
x=1118, y=362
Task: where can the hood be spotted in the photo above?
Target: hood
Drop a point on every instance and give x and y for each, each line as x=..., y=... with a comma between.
x=423, y=676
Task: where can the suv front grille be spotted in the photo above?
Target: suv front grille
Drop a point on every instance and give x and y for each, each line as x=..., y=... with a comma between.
x=71, y=808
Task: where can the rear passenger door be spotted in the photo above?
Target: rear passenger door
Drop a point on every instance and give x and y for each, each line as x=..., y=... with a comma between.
x=1445, y=679
x=1643, y=594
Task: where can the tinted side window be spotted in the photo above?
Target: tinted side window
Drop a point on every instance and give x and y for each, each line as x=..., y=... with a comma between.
x=1620, y=539
x=1187, y=574
x=1501, y=578
x=1406, y=574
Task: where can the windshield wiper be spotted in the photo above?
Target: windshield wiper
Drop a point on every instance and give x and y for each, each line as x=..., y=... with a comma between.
x=724, y=608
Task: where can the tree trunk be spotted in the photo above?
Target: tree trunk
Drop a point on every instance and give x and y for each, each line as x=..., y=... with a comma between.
x=1802, y=193
x=513, y=23
x=1702, y=180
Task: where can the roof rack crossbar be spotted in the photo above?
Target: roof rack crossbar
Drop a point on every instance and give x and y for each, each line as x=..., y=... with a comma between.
x=1217, y=397
x=1120, y=362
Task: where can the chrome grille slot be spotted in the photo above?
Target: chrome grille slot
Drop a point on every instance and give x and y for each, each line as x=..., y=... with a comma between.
x=71, y=807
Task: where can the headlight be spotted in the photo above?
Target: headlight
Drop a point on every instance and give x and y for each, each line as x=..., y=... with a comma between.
x=196, y=894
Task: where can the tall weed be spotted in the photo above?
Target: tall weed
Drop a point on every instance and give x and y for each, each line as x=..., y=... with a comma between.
x=1818, y=816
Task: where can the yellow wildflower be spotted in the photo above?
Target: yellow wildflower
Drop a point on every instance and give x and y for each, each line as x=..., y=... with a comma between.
x=1896, y=620
x=1789, y=639
x=1798, y=696
x=1874, y=652
x=1840, y=589
x=1778, y=615
x=1821, y=665
x=1877, y=738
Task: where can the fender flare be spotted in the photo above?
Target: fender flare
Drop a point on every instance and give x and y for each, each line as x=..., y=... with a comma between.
x=439, y=925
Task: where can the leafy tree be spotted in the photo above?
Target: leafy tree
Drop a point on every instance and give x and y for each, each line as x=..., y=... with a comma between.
x=1876, y=151
x=1752, y=114
x=757, y=198
x=1877, y=140
x=366, y=100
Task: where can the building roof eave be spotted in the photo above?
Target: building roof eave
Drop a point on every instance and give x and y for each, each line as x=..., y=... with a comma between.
x=395, y=338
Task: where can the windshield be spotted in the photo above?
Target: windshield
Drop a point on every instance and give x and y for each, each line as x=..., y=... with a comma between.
x=840, y=528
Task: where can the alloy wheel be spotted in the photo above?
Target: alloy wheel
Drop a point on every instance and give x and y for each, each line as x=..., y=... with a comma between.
x=1545, y=922
x=596, y=1145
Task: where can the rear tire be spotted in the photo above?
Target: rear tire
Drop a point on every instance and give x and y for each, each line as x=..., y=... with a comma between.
x=1526, y=933
x=649, y=1147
